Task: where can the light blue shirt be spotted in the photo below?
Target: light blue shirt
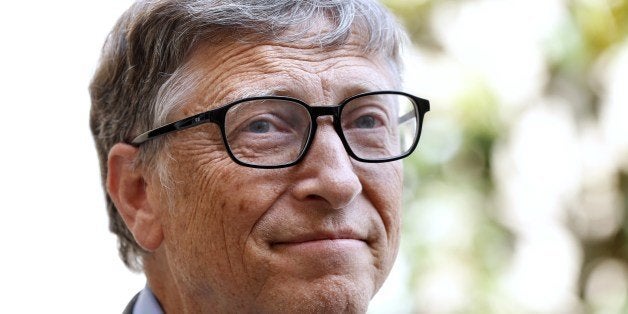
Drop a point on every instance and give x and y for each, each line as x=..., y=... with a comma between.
x=147, y=303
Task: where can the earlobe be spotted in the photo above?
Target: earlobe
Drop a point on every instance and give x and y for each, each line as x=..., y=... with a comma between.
x=128, y=188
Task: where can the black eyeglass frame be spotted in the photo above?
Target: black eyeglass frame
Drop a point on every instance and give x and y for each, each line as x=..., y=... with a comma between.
x=218, y=115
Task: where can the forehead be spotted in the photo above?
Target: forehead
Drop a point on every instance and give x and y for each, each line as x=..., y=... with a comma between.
x=315, y=74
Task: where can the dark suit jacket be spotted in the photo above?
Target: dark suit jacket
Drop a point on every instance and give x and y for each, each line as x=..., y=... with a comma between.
x=129, y=307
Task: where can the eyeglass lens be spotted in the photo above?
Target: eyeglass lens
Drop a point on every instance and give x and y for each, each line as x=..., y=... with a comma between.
x=270, y=132
x=379, y=126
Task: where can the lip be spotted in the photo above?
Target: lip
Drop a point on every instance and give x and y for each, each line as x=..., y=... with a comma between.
x=319, y=237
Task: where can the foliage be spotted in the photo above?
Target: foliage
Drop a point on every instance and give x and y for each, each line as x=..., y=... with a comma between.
x=457, y=219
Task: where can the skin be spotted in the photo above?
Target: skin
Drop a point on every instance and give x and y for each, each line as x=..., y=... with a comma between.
x=320, y=236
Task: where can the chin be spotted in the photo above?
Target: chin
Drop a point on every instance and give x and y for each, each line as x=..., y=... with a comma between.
x=327, y=294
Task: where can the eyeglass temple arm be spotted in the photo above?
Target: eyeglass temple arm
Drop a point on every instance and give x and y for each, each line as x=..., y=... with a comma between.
x=425, y=105
x=171, y=127
x=406, y=117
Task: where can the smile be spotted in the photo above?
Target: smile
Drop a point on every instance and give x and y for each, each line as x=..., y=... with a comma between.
x=321, y=242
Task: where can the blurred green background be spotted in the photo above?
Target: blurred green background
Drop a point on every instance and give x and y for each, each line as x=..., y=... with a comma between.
x=516, y=198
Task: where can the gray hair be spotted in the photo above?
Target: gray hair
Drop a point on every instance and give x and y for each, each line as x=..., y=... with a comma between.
x=142, y=76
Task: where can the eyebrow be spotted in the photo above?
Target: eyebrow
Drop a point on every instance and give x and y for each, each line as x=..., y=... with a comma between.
x=359, y=87
x=351, y=89
x=276, y=91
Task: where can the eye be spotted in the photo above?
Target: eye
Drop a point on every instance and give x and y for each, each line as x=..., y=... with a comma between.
x=259, y=126
x=365, y=122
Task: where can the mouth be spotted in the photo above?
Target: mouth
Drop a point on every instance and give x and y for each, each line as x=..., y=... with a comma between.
x=320, y=241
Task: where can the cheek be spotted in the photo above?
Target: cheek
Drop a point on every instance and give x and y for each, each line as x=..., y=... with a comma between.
x=382, y=183
x=217, y=204
x=382, y=186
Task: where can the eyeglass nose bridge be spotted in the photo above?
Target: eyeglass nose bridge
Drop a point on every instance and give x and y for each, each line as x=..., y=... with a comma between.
x=334, y=112
x=321, y=111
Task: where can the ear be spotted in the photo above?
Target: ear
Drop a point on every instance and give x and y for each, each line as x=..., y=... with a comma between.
x=128, y=187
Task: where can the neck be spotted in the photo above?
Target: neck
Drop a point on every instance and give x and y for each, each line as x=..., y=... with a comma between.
x=162, y=283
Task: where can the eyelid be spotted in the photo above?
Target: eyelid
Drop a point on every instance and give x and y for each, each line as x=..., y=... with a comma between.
x=280, y=120
x=350, y=109
x=381, y=116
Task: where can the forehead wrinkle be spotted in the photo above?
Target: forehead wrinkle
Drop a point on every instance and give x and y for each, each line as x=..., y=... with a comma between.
x=295, y=69
x=325, y=82
x=330, y=64
x=272, y=75
x=369, y=80
x=210, y=61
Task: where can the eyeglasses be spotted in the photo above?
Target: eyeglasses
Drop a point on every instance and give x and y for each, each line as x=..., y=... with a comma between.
x=277, y=131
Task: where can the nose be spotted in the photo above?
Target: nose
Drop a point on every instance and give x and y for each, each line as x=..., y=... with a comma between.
x=326, y=173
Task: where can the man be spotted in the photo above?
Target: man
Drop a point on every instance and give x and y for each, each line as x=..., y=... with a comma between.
x=250, y=152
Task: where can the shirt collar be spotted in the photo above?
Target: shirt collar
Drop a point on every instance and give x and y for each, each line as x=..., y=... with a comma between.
x=147, y=303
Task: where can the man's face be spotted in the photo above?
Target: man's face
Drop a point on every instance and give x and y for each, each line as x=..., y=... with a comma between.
x=318, y=236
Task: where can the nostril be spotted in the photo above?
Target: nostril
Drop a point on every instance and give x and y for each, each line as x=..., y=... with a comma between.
x=314, y=197
x=328, y=185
